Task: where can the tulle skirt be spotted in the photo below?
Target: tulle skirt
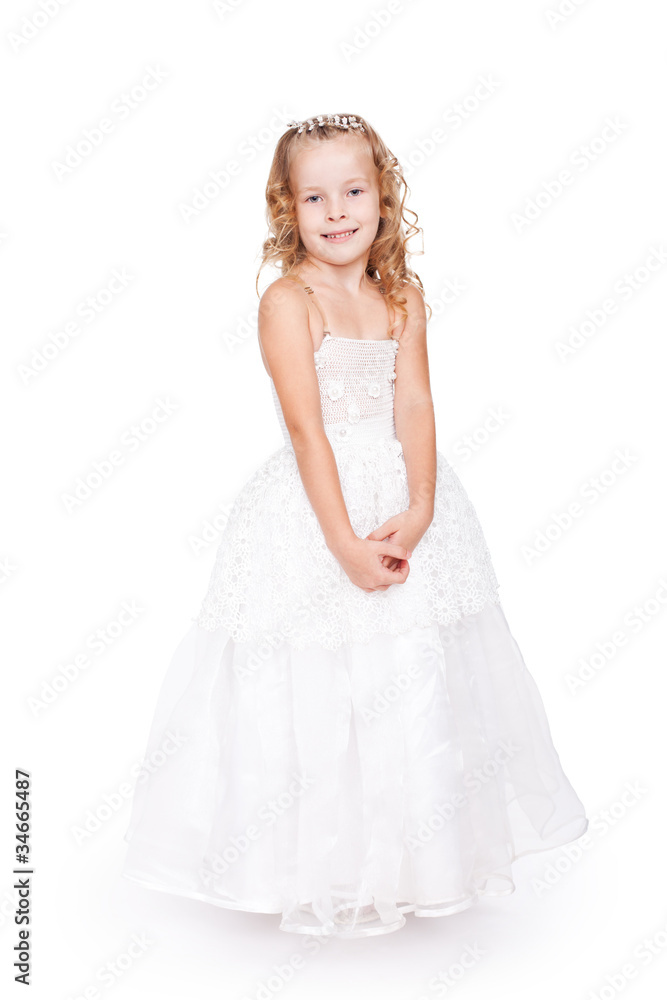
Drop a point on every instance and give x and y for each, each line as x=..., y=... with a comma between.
x=344, y=788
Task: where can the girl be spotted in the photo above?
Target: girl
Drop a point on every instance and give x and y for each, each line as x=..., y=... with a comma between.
x=348, y=730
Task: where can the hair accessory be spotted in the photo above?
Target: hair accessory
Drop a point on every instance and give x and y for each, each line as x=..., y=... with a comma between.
x=345, y=122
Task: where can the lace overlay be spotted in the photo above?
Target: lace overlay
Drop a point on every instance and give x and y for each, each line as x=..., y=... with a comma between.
x=274, y=579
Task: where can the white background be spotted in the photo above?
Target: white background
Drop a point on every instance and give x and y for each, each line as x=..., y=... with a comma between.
x=221, y=77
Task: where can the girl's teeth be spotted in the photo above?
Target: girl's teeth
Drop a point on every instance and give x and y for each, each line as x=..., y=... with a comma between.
x=339, y=236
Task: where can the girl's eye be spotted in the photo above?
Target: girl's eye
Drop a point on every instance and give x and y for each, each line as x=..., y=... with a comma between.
x=308, y=199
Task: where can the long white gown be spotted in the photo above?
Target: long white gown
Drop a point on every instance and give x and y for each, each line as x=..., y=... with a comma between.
x=337, y=757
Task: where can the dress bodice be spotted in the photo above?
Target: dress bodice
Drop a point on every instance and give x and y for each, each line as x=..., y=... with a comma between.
x=356, y=381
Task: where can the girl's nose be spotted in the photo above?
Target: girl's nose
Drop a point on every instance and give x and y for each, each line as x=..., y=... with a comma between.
x=336, y=213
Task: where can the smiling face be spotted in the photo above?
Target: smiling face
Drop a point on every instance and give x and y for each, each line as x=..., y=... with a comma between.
x=336, y=192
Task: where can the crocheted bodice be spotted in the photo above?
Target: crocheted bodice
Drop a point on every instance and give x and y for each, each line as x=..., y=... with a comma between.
x=276, y=581
x=356, y=381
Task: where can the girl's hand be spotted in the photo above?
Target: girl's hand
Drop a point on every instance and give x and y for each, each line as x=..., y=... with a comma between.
x=406, y=528
x=363, y=561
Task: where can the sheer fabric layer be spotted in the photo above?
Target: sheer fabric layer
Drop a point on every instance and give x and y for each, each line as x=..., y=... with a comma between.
x=344, y=788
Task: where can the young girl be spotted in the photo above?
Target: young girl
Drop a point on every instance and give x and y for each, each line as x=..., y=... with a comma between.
x=348, y=732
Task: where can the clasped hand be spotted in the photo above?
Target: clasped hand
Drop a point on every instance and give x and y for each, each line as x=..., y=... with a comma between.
x=381, y=558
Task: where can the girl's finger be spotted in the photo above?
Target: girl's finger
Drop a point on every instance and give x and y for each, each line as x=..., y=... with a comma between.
x=392, y=549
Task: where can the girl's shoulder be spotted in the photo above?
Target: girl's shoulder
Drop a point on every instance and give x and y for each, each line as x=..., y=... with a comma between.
x=283, y=287
x=413, y=293
x=283, y=296
x=415, y=305
x=282, y=314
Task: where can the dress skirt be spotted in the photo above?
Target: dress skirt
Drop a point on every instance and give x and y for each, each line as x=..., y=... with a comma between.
x=340, y=758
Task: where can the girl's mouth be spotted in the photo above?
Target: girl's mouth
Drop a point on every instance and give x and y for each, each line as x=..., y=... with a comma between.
x=342, y=238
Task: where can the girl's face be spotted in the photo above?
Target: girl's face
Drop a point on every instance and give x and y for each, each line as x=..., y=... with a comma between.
x=336, y=191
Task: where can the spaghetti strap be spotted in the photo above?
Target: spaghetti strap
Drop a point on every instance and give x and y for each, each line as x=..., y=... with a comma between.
x=310, y=291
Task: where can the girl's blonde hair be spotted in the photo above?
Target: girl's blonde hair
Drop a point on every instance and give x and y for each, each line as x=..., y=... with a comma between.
x=387, y=262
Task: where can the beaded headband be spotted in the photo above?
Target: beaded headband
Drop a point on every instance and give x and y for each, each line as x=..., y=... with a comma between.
x=345, y=122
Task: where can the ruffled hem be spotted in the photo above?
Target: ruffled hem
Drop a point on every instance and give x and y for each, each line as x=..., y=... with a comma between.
x=402, y=775
x=368, y=922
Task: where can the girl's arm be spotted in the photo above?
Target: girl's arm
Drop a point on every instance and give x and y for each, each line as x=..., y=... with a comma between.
x=413, y=408
x=288, y=349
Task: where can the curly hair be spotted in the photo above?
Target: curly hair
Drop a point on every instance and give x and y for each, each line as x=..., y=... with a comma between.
x=387, y=264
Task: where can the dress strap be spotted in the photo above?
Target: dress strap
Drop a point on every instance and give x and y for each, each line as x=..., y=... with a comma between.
x=310, y=291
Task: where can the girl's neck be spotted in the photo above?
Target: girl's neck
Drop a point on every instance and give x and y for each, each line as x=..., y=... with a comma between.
x=331, y=278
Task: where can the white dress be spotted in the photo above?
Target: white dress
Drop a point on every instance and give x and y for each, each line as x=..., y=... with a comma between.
x=337, y=757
